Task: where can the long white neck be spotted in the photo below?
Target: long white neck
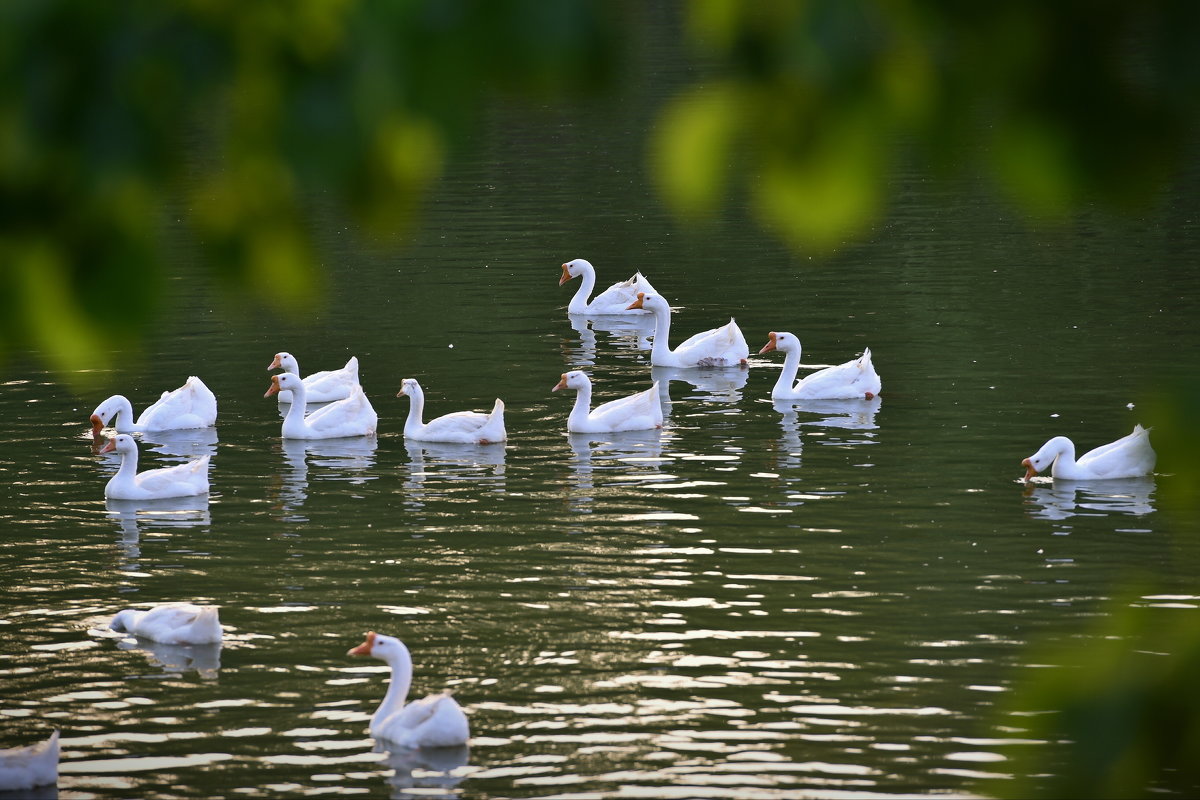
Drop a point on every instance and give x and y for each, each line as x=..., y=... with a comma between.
x=587, y=282
x=787, y=375
x=416, y=410
x=294, y=421
x=123, y=419
x=292, y=365
x=128, y=470
x=583, y=406
x=397, y=691
x=1064, y=453
x=662, y=332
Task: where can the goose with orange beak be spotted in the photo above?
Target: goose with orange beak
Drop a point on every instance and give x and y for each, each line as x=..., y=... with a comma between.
x=855, y=379
x=1128, y=457
x=613, y=300
x=433, y=721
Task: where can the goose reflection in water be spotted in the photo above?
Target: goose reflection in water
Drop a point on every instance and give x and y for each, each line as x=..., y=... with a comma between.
x=178, y=659
x=181, y=445
x=134, y=516
x=1062, y=499
x=452, y=462
x=630, y=332
x=432, y=771
x=789, y=446
x=349, y=459
x=631, y=455
x=713, y=385
x=857, y=414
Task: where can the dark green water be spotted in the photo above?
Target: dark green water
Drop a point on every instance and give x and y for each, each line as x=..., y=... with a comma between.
x=824, y=600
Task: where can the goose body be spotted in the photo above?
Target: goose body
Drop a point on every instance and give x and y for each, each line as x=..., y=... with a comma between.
x=615, y=299
x=854, y=380
x=26, y=767
x=463, y=427
x=172, y=623
x=433, y=721
x=319, y=387
x=192, y=405
x=1130, y=456
x=718, y=347
x=352, y=416
x=182, y=480
x=637, y=412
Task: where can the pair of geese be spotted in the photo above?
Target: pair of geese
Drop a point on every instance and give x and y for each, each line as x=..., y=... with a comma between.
x=1128, y=457
x=435, y=721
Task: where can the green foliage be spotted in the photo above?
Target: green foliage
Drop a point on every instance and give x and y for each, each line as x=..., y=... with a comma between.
x=1125, y=705
x=239, y=115
x=1069, y=102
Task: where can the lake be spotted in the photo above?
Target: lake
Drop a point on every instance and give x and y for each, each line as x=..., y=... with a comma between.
x=825, y=599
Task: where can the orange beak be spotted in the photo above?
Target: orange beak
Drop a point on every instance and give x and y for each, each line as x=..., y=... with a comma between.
x=637, y=303
x=363, y=649
x=566, y=276
x=769, y=346
x=109, y=446
x=562, y=384
x=401, y=393
x=1029, y=470
x=275, y=364
x=97, y=425
x=274, y=389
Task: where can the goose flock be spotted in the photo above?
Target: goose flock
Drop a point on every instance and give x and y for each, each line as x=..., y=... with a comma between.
x=343, y=410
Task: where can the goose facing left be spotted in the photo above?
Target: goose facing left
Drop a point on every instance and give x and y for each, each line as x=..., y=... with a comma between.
x=352, y=416
x=171, y=623
x=192, y=405
x=181, y=480
x=433, y=721
x=26, y=767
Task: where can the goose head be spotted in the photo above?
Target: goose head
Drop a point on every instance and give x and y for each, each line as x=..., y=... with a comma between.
x=575, y=379
x=286, y=362
x=284, y=380
x=378, y=645
x=409, y=386
x=650, y=302
x=103, y=413
x=122, y=443
x=1045, y=456
x=783, y=341
x=573, y=269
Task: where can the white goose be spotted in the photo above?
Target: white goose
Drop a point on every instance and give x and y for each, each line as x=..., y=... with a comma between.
x=434, y=721
x=464, y=427
x=352, y=416
x=181, y=480
x=637, y=412
x=26, y=767
x=613, y=300
x=856, y=379
x=171, y=623
x=1128, y=457
x=192, y=405
x=320, y=387
x=719, y=347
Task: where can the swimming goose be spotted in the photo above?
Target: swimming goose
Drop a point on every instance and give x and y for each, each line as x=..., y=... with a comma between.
x=856, y=379
x=320, y=387
x=192, y=405
x=719, y=347
x=433, y=721
x=181, y=480
x=613, y=300
x=1128, y=457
